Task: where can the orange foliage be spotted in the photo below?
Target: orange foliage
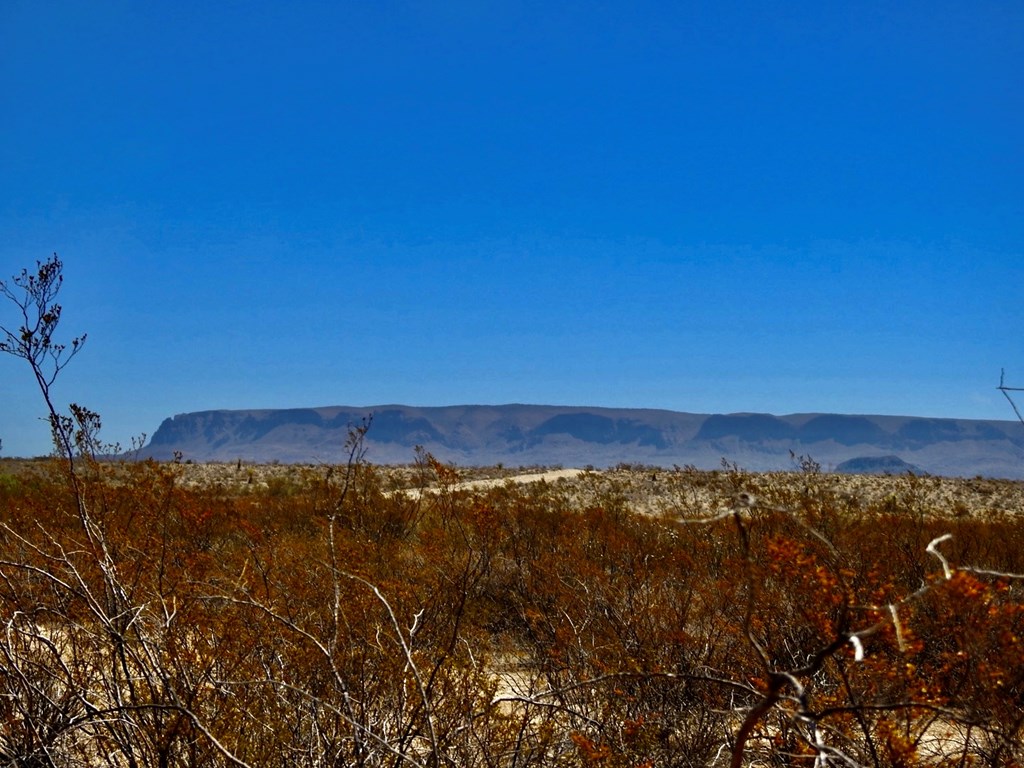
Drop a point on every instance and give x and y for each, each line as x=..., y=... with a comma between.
x=327, y=622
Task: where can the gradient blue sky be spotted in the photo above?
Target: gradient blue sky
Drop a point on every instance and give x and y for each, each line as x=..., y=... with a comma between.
x=710, y=207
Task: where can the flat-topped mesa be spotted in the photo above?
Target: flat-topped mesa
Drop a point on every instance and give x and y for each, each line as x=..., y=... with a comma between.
x=580, y=436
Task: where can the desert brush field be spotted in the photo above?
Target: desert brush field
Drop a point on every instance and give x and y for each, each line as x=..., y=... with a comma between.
x=429, y=615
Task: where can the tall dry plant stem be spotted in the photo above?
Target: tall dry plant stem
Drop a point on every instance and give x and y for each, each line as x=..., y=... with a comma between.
x=104, y=625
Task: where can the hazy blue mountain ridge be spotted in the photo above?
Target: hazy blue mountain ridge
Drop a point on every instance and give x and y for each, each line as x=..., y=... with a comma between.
x=579, y=436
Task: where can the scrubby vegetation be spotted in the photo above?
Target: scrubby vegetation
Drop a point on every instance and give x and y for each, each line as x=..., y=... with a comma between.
x=327, y=617
x=335, y=622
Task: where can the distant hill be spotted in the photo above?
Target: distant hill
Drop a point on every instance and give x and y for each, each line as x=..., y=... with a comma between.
x=521, y=435
x=876, y=465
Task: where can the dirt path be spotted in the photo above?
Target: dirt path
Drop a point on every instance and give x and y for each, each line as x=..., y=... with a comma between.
x=535, y=477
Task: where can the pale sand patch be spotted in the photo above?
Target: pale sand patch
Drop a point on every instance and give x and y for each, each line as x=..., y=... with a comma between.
x=535, y=477
x=496, y=482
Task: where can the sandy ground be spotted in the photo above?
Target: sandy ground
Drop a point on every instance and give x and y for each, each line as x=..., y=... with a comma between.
x=533, y=477
x=549, y=476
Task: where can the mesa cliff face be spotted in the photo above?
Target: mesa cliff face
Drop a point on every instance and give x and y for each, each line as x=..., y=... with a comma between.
x=579, y=436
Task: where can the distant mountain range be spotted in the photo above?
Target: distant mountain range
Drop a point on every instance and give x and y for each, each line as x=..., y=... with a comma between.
x=522, y=435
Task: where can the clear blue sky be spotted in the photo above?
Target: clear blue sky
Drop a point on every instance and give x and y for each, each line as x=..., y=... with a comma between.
x=711, y=207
